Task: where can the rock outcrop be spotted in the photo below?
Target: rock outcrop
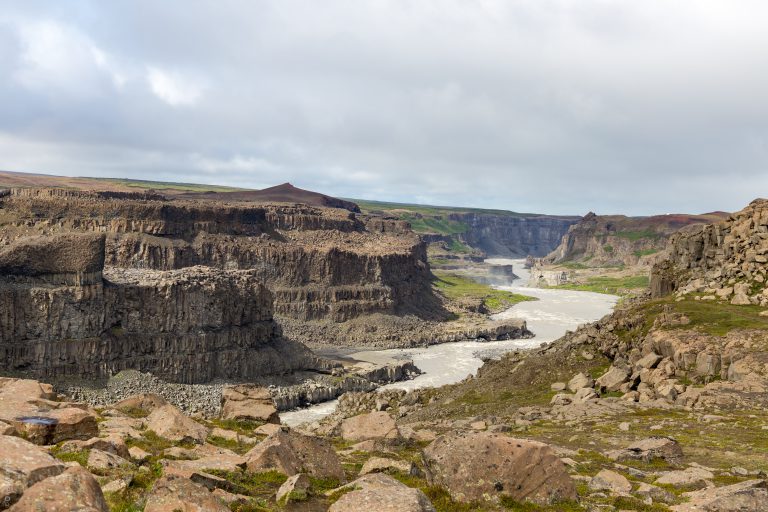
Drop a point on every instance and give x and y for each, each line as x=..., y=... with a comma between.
x=725, y=261
x=602, y=240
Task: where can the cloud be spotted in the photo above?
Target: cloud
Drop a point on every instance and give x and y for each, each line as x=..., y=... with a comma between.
x=552, y=106
x=173, y=87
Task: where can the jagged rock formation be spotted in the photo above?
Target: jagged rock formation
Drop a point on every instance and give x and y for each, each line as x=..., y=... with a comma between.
x=601, y=240
x=513, y=235
x=727, y=260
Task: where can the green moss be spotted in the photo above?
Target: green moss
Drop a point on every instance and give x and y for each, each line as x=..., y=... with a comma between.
x=133, y=498
x=80, y=456
x=638, y=235
x=457, y=287
x=434, y=224
x=231, y=444
x=645, y=252
x=262, y=485
x=610, y=285
x=608, y=249
x=134, y=412
x=243, y=427
x=561, y=506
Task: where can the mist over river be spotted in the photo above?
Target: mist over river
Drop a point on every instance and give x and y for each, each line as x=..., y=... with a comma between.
x=548, y=318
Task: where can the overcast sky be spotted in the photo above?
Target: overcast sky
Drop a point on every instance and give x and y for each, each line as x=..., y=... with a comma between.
x=549, y=106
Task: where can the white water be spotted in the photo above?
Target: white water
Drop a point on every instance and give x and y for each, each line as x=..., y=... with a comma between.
x=555, y=312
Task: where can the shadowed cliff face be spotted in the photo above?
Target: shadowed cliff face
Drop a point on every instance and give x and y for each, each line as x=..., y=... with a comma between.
x=64, y=315
x=513, y=236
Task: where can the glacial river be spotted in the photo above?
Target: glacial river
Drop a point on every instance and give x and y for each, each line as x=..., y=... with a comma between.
x=555, y=312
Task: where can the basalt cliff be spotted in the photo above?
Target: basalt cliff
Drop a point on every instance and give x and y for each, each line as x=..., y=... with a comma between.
x=96, y=282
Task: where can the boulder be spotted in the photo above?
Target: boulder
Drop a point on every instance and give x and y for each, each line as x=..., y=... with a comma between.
x=113, y=444
x=290, y=453
x=173, y=494
x=692, y=477
x=248, y=402
x=266, y=429
x=749, y=496
x=22, y=464
x=138, y=454
x=99, y=460
x=297, y=486
x=145, y=402
x=612, y=379
x=54, y=426
x=585, y=394
x=74, y=489
x=649, y=449
x=655, y=493
x=169, y=422
x=383, y=465
x=374, y=425
x=648, y=361
x=382, y=493
x=486, y=466
x=607, y=480
x=580, y=380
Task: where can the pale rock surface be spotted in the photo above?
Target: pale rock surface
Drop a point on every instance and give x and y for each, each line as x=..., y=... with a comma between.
x=169, y=422
x=382, y=493
x=607, y=480
x=73, y=490
x=176, y=494
x=248, y=402
x=291, y=452
x=749, y=496
x=374, y=425
x=485, y=466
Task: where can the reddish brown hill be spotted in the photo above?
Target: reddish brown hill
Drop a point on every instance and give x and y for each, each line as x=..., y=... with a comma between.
x=285, y=193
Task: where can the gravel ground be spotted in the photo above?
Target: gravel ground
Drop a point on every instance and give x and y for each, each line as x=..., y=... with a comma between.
x=200, y=399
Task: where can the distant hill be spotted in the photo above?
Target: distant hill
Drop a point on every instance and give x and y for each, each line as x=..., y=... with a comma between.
x=285, y=193
x=10, y=179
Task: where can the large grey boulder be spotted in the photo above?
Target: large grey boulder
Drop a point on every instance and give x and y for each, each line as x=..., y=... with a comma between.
x=290, y=453
x=487, y=466
x=749, y=496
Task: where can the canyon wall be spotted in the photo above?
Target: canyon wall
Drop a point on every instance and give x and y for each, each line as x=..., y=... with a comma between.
x=604, y=240
x=320, y=263
x=513, y=235
x=64, y=315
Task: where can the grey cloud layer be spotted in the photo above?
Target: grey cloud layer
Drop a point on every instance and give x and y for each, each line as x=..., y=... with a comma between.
x=538, y=105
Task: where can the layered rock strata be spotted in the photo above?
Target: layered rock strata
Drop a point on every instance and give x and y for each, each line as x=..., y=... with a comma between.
x=320, y=263
x=64, y=315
